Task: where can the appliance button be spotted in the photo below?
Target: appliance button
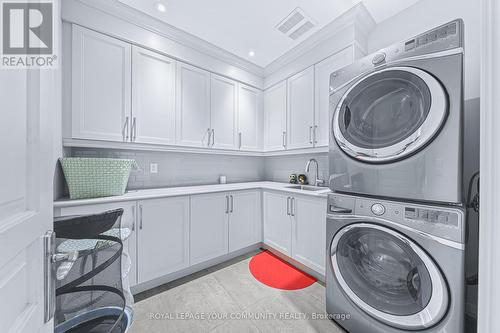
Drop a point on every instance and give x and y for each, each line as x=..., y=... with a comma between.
x=378, y=209
x=378, y=58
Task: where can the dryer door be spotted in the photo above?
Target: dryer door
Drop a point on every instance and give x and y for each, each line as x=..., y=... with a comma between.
x=389, y=114
x=388, y=276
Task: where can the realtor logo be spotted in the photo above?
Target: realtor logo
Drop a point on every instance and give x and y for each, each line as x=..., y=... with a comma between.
x=27, y=34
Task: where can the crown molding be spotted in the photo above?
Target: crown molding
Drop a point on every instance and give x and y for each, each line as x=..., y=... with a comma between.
x=163, y=29
x=358, y=16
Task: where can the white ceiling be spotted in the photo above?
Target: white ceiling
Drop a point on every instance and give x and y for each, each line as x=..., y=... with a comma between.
x=239, y=26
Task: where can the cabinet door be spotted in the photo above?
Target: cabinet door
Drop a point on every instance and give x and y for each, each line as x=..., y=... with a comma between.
x=300, y=118
x=209, y=226
x=244, y=219
x=128, y=221
x=309, y=232
x=249, y=118
x=223, y=112
x=277, y=222
x=101, y=86
x=163, y=243
x=275, y=117
x=153, y=97
x=322, y=93
x=193, y=106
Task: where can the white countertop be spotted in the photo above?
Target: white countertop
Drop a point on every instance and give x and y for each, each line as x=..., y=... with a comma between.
x=189, y=190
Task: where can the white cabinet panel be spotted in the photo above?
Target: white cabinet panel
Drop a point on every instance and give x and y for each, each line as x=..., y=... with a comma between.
x=193, y=106
x=128, y=221
x=275, y=117
x=322, y=92
x=163, y=237
x=223, y=112
x=209, y=226
x=153, y=97
x=309, y=232
x=277, y=222
x=245, y=224
x=300, y=117
x=101, y=86
x=249, y=118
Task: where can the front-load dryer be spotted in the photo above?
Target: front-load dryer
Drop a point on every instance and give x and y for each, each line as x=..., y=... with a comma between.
x=394, y=267
x=396, y=120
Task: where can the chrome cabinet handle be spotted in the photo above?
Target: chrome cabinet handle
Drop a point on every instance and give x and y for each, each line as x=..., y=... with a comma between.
x=140, y=218
x=239, y=135
x=125, y=130
x=133, y=218
x=310, y=134
x=232, y=203
x=49, y=247
x=292, y=206
x=227, y=204
x=209, y=132
x=288, y=206
x=315, y=134
x=133, y=135
x=213, y=137
x=284, y=139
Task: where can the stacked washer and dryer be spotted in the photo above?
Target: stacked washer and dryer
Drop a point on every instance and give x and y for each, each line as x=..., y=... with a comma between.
x=396, y=219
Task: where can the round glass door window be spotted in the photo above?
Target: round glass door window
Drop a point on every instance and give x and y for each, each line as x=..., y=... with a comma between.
x=389, y=114
x=389, y=276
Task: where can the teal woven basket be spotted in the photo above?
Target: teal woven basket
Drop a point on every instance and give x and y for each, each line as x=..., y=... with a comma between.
x=96, y=177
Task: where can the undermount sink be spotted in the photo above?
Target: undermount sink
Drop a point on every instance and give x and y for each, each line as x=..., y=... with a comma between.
x=307, y=188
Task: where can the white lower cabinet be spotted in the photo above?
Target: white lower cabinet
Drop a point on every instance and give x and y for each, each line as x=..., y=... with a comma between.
x=296, y=226
x=245, y=222
x=209, y=226
x=128, y=221
x=163, y=237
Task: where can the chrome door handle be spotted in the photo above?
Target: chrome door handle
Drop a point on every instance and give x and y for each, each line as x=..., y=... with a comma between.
x=49, y=286
x=288, y=206
x=292, y=206
x=310, y=134
x=213, y=137
x=227, y=204
x=125, y=130
x=315, y=134
x=232, y=203
x=239, y=135
x=140, y=217
x=133, y=218
x=133, y=135
x=284, y=139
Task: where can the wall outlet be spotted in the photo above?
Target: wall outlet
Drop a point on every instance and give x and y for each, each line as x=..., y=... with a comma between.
x=153, y=168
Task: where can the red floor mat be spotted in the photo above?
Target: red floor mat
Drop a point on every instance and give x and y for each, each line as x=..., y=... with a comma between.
x=274, y=272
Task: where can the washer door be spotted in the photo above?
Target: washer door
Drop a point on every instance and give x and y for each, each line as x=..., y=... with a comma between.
x=388, y=276
x=389, y=114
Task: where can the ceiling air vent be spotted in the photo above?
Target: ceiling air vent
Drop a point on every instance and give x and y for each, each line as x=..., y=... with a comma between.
x=296, y=24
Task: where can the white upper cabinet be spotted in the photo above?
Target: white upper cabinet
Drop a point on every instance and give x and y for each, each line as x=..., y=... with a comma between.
x=322, y=92
x=300, y=118
x=193, y=106
x=249, y=118
x=224, y=112
x=153, y=97
x=101, y=86
x=275, y=117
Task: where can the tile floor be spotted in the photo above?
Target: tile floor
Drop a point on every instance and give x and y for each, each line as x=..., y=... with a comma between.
x=223, y=293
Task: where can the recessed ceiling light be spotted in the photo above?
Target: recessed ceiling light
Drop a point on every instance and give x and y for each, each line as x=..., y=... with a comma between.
x=251, y=53
x=161, y=7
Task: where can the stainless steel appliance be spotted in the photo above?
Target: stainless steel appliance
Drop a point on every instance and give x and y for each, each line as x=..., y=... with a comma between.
x=396, y=120
x=394, y=267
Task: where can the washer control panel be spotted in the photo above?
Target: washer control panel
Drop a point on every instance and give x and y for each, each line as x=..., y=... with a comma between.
x=431, y=216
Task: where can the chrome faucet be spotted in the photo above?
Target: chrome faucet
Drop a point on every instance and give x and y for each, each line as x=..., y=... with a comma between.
x=317, y=181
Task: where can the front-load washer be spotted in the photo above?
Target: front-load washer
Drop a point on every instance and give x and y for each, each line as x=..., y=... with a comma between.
x=394, y=267
x=396, y=120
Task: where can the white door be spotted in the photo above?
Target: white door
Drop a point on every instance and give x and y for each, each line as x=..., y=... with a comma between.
x=244, y=219
x=249, y=118
x=192, y=106
x=322, y=93
x=153, y=97
x=128, y=221
x=300, y=118
x=101, y=86
x=223, y=112
x=163, y=237
x=209, y=232
x=29, y=105
x=277, y=221
x=275, y=117
x=309, y=232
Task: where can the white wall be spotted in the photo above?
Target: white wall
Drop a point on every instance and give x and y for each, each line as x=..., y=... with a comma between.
x=428, y=14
